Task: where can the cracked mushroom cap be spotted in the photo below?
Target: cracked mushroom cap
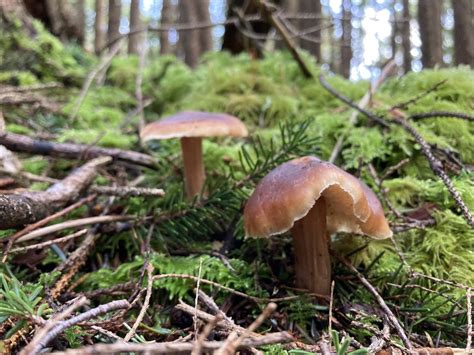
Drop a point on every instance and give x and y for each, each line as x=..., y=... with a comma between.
x=289, y=192
x=194, y=124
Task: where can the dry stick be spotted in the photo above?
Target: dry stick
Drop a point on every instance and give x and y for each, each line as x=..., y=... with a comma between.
x=72, y=224
x=31, y=88
x=197, y=349
x=43, y=222
x=77, y=234
x=391, y=317
x=63, y=325
x=195, y=320
x=232, y=346
x=469, y=321
x=280, y=27
x=228, y=289
x=30, y=206
x=386, y=71
x=405, y=104
x=434, y=162
x=126, y=191
x=173, y=347
x=460, y=115
x=331, y=301
x=51, y=323
x=104, y=62
x=26, y=144
x=145, y=304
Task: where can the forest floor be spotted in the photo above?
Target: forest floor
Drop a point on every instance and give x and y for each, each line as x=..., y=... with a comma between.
x=120, y=261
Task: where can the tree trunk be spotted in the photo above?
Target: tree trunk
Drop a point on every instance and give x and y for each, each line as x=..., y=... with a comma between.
x=100, y=28
x=190, y=39
x=166, y=20
x=115, y=15
x=234, y=41
x=463, y=32
x=346, y=45
x=205, y=35
x=134, y=40
x=405, y=31
x=429, y=19
x=313, y=46
x=395, y=29
x=81, y=22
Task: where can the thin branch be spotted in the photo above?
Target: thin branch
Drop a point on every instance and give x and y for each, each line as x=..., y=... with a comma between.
x=104, y=62
x=197, y=349
x=434, y=114
x=145, y=304
x=72, y=224
x=172, y=347
x=469, y=321
x=63, y=325
x=388, y=312
x=407, y=103
x=78, y=234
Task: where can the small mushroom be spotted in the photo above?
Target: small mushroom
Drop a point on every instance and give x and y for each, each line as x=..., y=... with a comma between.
x=191, y=127
x=312, y=199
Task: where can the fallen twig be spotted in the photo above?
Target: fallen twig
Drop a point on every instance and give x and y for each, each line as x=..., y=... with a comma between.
x=203, y=336
x=169, y=347
x=460, y=115
x=63, y=325
x=388, y=312
x=469, y=321
x=72, y=224
x=25, y=144
x=29, y=207
x=77, y=234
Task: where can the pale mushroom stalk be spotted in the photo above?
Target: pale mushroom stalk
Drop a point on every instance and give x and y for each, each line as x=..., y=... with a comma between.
x=194, y=175
x=312, y=199
x=311, y=248
x=191, y=127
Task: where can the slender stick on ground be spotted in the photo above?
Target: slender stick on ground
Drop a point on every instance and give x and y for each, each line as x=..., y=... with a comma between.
x=63, y=325
x=171, y=347
x=460, y=115
x=388, y=312
x=50, y=324
x=72, y=224
x=132, y=331
x=43, y=222
x=77, y=234
x=469, y=321
x=25, y=144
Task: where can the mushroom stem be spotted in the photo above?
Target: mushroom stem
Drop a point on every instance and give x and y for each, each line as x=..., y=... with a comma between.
x=311, y=246
x=194, y=175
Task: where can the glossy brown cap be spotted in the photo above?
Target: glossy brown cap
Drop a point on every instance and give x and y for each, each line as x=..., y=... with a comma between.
x=289, y=192
x=194, y=124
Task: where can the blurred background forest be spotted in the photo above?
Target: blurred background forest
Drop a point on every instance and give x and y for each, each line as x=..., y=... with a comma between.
x=353, y=38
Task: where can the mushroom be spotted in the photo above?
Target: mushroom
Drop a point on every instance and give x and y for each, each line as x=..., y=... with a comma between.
x=191, y=127
x=312, y=199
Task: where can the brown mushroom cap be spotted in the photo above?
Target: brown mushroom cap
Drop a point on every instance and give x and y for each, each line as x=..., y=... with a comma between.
x=194, y=124
x=289, y=192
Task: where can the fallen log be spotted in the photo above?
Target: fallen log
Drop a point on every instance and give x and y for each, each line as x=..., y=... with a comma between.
x=30, y=206
x=25, y=144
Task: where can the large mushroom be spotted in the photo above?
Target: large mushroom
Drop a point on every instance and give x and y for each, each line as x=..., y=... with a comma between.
x=191, y=127
x=312, y=199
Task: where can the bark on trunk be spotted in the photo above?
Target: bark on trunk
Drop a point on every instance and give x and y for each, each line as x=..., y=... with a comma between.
x=134, y=40
x=81, y=22
x=234, y=41
x=189, y=39
x=346, y=45
x=395, y=29
x=463, y=32
x=115, y=14
x=429, y=19
x=29, y=207
x=100, y=27
x=166, y=20
x=405, y=30
x=205, y=35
